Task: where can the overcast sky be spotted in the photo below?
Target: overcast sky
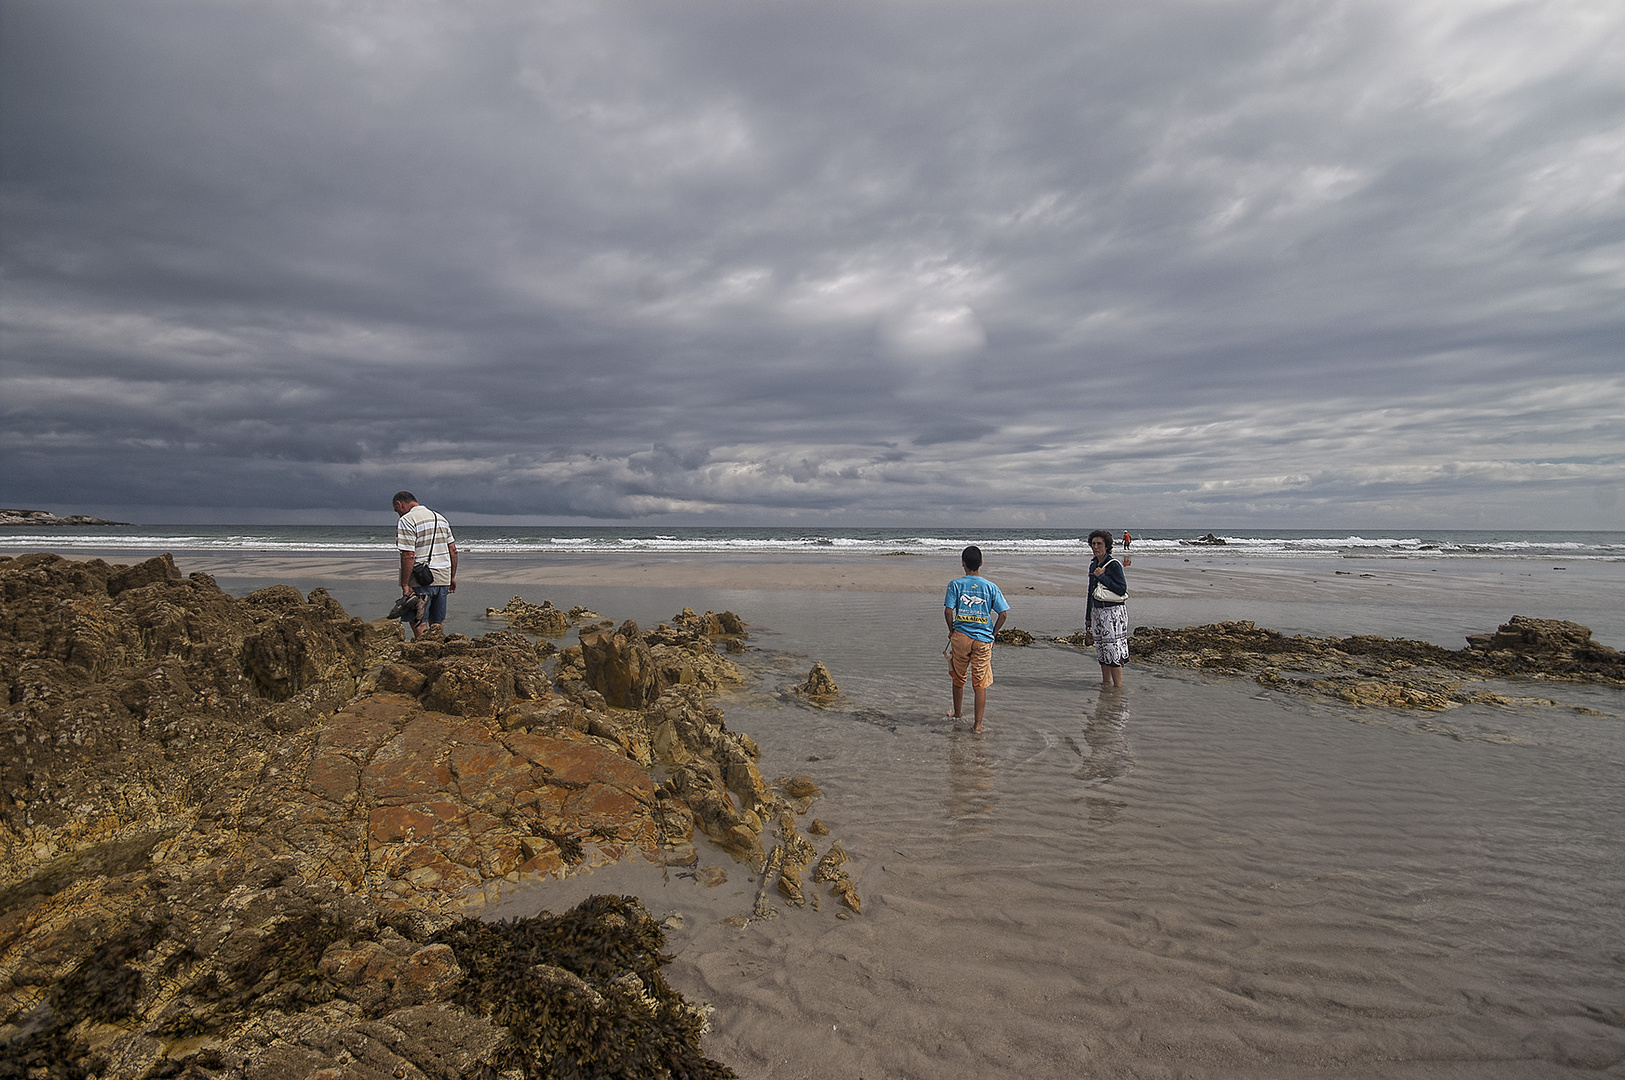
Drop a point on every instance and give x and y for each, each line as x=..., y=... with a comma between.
x=1228, y=262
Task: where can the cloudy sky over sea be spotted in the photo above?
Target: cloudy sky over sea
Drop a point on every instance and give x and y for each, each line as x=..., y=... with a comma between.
x=1229, y=262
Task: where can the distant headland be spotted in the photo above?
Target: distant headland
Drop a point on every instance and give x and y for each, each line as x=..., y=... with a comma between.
x=43, y=517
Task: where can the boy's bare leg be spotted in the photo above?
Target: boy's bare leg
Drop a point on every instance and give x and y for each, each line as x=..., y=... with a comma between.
x=959, y=701
x=981, y=703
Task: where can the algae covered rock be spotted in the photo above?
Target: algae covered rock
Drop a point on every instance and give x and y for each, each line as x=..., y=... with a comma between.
x=581, y=994
x=234, y=969
x=1392, y=673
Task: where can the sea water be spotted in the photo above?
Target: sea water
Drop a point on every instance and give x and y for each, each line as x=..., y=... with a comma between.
x=1195, y=878
x=503, y=539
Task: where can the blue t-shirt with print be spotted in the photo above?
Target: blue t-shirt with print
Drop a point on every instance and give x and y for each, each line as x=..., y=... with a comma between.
x=974, y=601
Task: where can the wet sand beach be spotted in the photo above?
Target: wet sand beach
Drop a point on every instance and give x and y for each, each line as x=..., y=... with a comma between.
x=1195, y=878
x=1438, y=600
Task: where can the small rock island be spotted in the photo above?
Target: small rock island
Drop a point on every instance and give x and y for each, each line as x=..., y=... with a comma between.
x=46, y=518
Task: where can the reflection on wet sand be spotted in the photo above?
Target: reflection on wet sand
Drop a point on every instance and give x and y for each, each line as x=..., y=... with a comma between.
x=1110, y=756
x=970, y=791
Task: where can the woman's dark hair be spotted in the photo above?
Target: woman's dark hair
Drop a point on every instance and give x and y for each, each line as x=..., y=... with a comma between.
x=1104, y=535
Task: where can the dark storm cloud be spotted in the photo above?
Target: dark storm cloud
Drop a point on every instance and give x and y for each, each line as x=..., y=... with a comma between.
x=1291, y=264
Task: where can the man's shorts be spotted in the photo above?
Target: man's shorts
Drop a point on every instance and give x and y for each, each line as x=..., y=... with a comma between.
x=972, y=656
x=435, y=612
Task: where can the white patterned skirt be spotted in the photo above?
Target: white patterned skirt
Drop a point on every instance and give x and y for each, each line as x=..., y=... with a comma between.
x=1109, y=624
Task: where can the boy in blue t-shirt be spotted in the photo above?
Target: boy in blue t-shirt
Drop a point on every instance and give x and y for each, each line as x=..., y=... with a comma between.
x=970, y=608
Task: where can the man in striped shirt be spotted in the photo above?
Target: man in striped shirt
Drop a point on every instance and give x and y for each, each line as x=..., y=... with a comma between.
x=423, y=536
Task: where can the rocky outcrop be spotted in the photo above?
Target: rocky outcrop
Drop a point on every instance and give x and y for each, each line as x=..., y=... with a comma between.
x=1387, y=672
x=1545, y=641
x=831, y=871
x=686, y=649
x=136, y=696
x=725, y=625
x=619, y=666
x=46, y=518
x=247, y=969
x=1013, y=637
x=543, y=619
x=819, y=686
x=714, y=772
x=240, y=836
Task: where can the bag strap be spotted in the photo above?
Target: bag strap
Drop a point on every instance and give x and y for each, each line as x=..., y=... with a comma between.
x=434, y=534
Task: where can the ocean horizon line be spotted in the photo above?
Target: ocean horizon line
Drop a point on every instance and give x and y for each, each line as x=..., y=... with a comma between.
x=792, y=540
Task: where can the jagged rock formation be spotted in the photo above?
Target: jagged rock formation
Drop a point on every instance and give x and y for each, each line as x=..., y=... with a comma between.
x=232, y=829
x=620, y=666
x=686, y=649
x=819, y=684
x=543, y=618
x=831, y=870
x=630, y=669
x=122, y=680
x=1387, y=672
x=725, y=625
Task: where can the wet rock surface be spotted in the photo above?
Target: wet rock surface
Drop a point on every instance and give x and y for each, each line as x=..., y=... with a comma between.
x=1387, y=672
x=543, y=618
x=243, y=836
x=819, y=685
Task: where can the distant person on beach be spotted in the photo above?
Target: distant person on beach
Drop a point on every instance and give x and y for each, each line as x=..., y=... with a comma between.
x=1107, y=619
x=970, y=608
x=428, y=560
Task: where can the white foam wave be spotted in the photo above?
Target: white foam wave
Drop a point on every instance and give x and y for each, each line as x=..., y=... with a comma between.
x=877, y=542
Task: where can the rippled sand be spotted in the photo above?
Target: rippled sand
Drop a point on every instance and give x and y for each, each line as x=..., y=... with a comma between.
x=1192, y=879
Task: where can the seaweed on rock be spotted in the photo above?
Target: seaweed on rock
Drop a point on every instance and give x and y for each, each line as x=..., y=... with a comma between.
x=581, y=993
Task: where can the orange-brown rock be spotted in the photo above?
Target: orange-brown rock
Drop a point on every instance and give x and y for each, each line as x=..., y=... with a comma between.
x=620, y=666
x=257, y=813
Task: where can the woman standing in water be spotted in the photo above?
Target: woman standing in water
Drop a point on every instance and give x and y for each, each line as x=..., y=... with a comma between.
x=1106, y=610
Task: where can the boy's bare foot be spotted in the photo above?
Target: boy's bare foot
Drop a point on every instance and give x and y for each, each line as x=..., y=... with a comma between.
x=976, y=729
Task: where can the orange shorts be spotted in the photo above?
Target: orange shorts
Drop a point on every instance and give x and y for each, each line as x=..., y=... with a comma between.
x=968, y=655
